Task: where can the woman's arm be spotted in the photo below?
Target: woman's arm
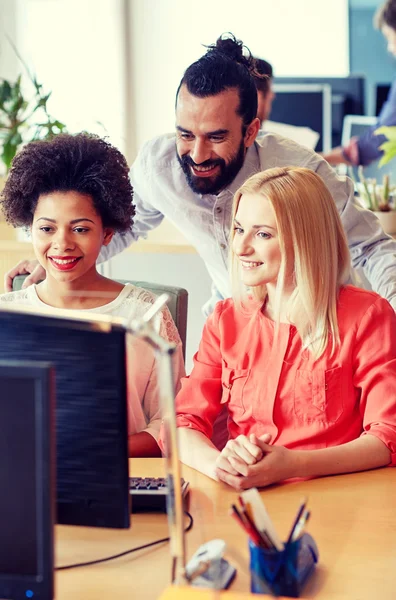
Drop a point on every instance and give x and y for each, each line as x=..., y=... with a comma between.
x=197, y=451
x=199, y=401
x=336, y=156
x=367, y=452
x=279, y=463
x=143, y=445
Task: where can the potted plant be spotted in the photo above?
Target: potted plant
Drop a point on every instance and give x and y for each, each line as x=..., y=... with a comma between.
x=380, y=197
x=23, y=118
x=383, y=197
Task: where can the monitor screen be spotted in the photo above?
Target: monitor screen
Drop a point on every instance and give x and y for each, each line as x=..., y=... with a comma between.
x=305, y=106
x=18, y=475
x=347, y=98
x=381, y=95
x=27, y=476
x=88, y=356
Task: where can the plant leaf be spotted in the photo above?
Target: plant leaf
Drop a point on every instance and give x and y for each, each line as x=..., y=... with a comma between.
x=8, y=152
x=388, y=132
x=387, y=157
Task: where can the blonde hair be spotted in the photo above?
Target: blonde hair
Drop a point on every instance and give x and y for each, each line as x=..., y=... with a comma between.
x=313, y=247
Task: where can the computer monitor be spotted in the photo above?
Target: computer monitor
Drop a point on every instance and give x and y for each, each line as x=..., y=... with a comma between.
x=305, y=106
x=27, y=475
x=347, y=98
x=381, y=95
x=88, y=356
x=354, y=126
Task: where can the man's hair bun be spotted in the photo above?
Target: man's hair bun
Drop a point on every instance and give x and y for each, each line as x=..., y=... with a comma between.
x=229, y=46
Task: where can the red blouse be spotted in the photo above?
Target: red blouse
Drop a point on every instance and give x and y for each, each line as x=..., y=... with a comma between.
x=276, y=387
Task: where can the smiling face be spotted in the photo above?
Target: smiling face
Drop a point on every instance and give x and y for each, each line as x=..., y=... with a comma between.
x=256, y=241
x=67, y=235
x=210, y=143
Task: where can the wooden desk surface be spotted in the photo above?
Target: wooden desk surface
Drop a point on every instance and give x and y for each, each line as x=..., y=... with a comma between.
x=353, y=521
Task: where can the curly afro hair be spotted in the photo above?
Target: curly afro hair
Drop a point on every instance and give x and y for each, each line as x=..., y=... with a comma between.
x=83, y=163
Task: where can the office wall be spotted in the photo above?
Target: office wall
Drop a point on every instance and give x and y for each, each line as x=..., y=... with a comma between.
x=76, y=50
x=8, y=59
x=118, y=62
x=167, y=35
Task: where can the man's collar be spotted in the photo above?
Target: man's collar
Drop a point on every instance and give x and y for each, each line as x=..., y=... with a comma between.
x=250, y=166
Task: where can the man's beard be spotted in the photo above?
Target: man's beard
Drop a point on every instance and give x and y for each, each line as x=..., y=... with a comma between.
x=212, y=185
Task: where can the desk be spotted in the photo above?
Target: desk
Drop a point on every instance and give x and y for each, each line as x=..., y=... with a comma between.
x=353, y=521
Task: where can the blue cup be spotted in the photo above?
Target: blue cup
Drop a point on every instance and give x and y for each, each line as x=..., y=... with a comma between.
x=282, y=573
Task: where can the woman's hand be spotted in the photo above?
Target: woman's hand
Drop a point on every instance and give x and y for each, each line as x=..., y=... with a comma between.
x=277, y=463
x=239, y=453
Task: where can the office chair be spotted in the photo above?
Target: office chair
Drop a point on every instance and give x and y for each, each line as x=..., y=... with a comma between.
x=177, y=303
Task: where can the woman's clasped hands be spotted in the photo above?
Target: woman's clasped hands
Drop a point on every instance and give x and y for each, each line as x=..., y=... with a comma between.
x=247, y=462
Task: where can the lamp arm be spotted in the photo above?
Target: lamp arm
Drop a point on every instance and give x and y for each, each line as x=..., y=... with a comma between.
x=164, y=352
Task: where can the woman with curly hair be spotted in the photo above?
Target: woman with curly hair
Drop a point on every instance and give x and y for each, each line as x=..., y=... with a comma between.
x=73, y=193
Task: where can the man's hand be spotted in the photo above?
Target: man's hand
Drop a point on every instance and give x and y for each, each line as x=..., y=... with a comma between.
x=32, y=267
x=239, y=453
x=278, y=463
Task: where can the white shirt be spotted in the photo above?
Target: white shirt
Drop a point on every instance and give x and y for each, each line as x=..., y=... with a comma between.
x=161, y=189
x=144, y=411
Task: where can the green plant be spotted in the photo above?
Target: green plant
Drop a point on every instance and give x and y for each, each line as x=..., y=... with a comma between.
x=376, y=196
x=23, y=118
x=389, y=147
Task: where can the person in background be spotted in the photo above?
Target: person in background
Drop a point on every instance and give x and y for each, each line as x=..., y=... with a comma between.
x=365, y=149
x=190, y=177
x=305, y=363
x=265, y=93
x=73, y=193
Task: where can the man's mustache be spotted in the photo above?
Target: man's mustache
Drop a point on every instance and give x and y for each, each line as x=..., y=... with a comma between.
x=187, y=160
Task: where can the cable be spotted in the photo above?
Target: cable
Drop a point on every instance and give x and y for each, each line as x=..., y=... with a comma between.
x=100, y=560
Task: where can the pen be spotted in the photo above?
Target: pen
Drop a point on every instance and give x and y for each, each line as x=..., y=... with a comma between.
x=300, y=525
x=266, y=541
x=248, y=514
x=296, y=520
x=252, y=532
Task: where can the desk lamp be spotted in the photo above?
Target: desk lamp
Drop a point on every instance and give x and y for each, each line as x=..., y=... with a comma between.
x=164, y=351
x=208, y=558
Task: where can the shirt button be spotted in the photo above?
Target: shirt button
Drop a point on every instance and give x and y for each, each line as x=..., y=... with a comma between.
x=218, y=209
x=223, y=246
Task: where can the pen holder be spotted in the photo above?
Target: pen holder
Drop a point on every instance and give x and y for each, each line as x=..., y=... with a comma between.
x=282, y=573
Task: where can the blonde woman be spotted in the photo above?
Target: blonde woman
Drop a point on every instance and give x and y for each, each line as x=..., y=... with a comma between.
x=306, y=364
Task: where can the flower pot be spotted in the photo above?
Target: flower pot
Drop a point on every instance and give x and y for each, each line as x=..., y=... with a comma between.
x=387, y=220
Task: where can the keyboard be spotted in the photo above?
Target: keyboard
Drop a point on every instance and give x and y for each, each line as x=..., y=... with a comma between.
x=148, y=494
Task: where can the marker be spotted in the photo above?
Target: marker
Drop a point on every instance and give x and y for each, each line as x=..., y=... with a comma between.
x=296, y=520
